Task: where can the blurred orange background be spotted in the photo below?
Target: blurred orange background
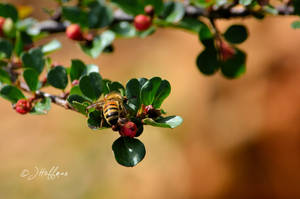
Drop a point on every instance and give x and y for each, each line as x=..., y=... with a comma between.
x=240, y=138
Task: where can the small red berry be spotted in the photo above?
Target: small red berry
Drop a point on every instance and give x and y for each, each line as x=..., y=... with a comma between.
x=142, y=22
x=149, y=10
x=2, y=20
x=226, y=51
x=23, y=106
x=74, y=32
x=75, y=82
x=147, y=109
x=128, y=130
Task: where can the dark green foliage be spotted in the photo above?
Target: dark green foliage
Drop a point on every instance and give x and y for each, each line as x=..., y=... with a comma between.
x=167, y=122
x=34, y=59
x=4, y=77
x=91, y=85
x=77, y=69
x=128, y=151
x=31, y=78
x=208, y=62
x=58, y=78
x=11, y=93
x=6, y=48
x=8, y=11
x=236, y=34
x=236, y=66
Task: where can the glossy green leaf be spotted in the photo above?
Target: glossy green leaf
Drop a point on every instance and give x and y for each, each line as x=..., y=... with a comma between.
x=100, y=15
x=51, y=46
x=79, y=103
x=57, y=77
x=91, y=68
x=146, y=33
x=203, y=3
x=132, y=7
x=149, y=89
x=6, y=48
x=236, y=34
x=8, y=11
x=162, y=93
x=133, y=90
x=75, y=15
x=22, y=41
x=99, y=43
x=207, y=61
x=42, y=107
x=206, y=36
x=11, y=93
x=142, y=81
x=167, y=122
x=124, y=29
x=91, y=85
x=76, y=90
x=173, y=12
x=191, y=24
x=4, y=77
x=128, y=151
x=34, y=59
x=116, y=86
x=236, y=66
x=95, y=120
x=31, y=78
x=245, y=2
x=295, y=24
x=77, y=69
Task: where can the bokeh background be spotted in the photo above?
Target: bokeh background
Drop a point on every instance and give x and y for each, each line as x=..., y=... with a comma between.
x=240, y=138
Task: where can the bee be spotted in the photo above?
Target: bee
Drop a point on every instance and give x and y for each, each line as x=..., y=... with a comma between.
x=112, y=107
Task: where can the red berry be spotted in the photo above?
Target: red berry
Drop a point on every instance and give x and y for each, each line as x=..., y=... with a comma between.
x=226, y=51
x=128, y=130
x=149, y=10
x=74, y=32
x=2, y=20
x=75, y=82
x=23, y=106
x=142, y=22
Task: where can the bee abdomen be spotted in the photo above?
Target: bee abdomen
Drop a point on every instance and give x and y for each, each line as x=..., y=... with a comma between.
x=111, y=114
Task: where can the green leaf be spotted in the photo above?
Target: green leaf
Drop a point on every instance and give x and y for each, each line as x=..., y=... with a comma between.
x=133, y=7
x=95, y=120
x=22, y=40
x=99, y=43
x=149, y=89
x=75, y=90
x=4, y=77
x=133, y=90
x=77, y=69
x=31, y=78
x=203, y=3
x=128, y=151
x=245, y=2
x=167, y=122
x=163, y=92
x=295, y=24
x=116, y=86
x=206, y=36
x=173, y=12
x=34, y=59
x=51, y=46
x=207, y=61
x=142, y=81
x=146, y=33
x=57, y=77
x=124, y=29
x=236, y=34
x=79, y=103
x=42, y=107
x=11, y=93
x=91, y=85
x=236, y=66
x=8, y=11
x=296, y=5
x=191, y=24
x=6, y=48
x=75, y=15
x=99, y=15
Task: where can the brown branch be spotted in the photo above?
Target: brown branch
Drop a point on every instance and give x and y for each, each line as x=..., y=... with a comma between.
x=54, y=26
x=54, y=98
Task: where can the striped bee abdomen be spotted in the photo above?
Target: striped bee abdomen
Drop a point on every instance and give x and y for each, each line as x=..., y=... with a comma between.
x=111, y=112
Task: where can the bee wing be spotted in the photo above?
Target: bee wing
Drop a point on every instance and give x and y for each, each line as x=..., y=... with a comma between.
x=97, y=105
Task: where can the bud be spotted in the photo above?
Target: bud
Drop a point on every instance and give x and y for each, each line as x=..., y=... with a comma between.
x=149, y=10
x=147, y=109
x=142, y=22
x=226, y=51
x=23, y=106
x=75, y=82
x=128, y=130
x=74, y=32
